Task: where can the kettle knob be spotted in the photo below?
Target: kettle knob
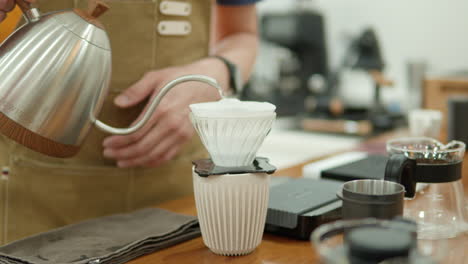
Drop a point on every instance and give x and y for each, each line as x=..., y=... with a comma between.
x=96, y=8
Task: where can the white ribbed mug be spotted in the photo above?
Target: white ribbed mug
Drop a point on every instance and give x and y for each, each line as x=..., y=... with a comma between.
x=232, y=211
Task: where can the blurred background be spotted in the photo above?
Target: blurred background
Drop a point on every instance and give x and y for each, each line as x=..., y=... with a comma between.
x=361, y=60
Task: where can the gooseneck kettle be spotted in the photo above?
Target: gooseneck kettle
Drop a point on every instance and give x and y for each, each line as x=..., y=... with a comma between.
x=54, y=75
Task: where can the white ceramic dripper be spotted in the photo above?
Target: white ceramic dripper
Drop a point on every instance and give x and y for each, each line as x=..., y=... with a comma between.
x=232, y=131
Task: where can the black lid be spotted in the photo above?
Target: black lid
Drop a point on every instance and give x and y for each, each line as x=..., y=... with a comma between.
x=374, y=244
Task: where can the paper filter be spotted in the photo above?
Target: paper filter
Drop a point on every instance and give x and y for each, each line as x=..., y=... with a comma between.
x=231, y=130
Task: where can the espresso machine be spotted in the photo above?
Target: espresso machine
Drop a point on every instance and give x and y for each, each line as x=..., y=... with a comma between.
x=335, y=110
x=292, y=71
x=293, y=53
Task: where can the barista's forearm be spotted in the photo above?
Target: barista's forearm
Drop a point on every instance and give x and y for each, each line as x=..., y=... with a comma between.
x=235, y=36
x=241, y=49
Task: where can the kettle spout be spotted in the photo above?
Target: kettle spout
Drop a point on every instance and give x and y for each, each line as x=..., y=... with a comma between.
x=155, y=102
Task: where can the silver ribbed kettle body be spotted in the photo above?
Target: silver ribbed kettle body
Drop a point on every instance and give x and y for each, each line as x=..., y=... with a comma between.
x=54, y=75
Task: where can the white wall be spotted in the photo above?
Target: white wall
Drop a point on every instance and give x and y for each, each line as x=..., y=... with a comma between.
x=432, y=30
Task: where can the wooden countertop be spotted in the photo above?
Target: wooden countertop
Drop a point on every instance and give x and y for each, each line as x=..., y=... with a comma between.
x=276, y=249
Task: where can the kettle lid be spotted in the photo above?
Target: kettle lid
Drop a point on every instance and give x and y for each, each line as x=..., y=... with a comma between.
x=85, y=24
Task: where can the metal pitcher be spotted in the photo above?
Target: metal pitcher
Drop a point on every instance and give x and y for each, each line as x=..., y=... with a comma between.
x=54, y=76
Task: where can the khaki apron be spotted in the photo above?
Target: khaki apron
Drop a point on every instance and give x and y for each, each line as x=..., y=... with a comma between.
x=42, y=193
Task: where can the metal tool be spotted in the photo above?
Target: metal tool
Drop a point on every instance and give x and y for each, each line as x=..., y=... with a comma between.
x=371, y=198
x=54, y=72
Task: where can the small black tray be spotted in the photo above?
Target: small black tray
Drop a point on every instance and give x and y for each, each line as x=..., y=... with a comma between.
x=206, y=167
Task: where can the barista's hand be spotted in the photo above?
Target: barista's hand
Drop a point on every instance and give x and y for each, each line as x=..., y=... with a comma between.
x=8, y=5
x=169, y=128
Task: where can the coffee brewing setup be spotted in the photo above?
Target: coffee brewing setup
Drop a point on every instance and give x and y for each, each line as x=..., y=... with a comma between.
x=232, y=188
x=49, y=101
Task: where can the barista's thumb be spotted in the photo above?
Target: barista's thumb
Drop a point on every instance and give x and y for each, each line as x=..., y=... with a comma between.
x=137, y=92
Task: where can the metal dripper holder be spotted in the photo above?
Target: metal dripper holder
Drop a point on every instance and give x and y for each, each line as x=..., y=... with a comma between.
x=439, y=207
x=232, y=188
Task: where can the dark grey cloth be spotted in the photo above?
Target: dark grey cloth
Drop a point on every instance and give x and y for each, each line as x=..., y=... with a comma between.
x=111, y=239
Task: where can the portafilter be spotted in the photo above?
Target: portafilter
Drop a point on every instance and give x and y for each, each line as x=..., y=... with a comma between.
x=54, y=76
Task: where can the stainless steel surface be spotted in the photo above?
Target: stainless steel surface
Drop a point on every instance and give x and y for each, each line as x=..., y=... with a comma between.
x=54, y=76
x=84, y=30
x=155, y=102
x=373, y=187
x=371, y=198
